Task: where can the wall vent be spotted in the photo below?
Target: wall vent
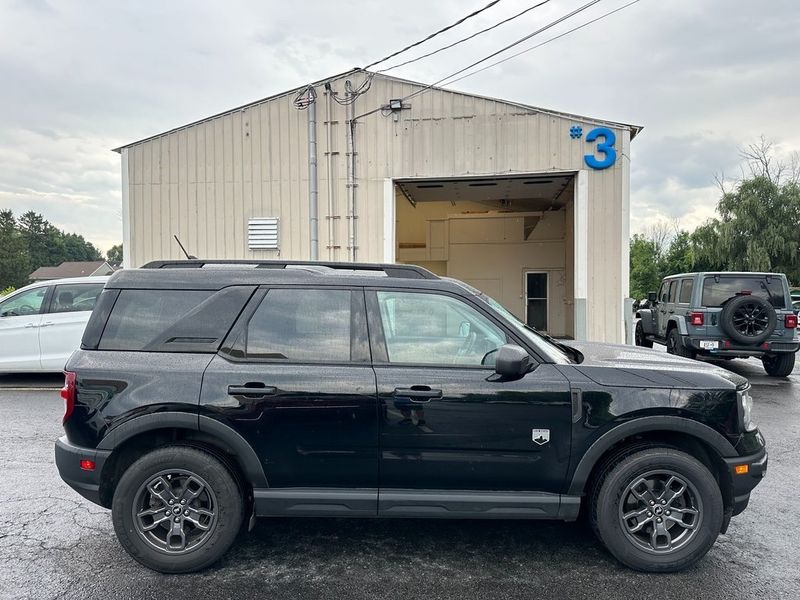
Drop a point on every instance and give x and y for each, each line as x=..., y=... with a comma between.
x=262, y=233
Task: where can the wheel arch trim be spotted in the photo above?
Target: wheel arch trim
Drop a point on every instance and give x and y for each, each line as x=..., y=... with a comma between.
x=652, y=424
x=244, y=453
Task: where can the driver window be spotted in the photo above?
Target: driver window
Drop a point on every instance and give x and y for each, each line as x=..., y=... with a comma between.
x=433, y=329
x=662, y=294
x=26, y=303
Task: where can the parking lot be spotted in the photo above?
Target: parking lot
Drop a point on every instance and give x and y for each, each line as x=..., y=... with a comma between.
x=54, y=544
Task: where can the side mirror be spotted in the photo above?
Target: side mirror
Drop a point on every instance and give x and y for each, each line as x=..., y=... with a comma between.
x=512, y=361
x=652, y=297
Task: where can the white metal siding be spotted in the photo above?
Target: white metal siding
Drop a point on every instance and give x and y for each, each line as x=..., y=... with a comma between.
x=206, y=181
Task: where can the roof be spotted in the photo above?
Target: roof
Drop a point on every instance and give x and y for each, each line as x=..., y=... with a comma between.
x=218, y=274
x=634, y=129
x=69, y=269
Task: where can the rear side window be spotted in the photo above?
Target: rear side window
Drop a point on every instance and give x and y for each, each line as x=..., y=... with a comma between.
x=140, y=316
x=686, y=291
x=75, y=297
x=302, y=325
x=673, y=291
x=718, y=290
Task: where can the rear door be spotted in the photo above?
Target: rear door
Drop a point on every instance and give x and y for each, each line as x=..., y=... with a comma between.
x=64, y=320
x=20, y=317
x=295, y=381
x=666, y=305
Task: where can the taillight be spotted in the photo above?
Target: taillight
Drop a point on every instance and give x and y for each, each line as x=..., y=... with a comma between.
x=697, y=319
x=790, y=322
x=68, y=394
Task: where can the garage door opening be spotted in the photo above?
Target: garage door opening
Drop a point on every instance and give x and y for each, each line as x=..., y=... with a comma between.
x=511, y=237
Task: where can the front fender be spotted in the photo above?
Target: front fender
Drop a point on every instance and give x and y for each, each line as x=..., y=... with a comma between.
x=648, y=320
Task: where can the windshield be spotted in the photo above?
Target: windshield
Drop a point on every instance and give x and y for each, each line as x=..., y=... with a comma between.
x=545, y=345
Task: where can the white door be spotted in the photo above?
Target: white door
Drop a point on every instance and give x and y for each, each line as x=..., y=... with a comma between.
x=62, y=326
x=19, y=330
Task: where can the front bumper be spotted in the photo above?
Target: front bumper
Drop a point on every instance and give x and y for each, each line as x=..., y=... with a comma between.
x=744, y=483
x=68, y=461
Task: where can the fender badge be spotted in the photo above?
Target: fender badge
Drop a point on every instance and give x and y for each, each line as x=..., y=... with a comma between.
x=540, y=436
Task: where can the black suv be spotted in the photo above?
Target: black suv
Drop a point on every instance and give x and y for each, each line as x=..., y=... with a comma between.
x=207, y=393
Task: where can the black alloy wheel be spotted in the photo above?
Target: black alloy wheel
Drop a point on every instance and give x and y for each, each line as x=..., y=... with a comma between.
x=640, y=338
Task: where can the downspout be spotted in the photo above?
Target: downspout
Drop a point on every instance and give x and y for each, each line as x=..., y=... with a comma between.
x=313, y=192
x=351, y=177
x=332, y=248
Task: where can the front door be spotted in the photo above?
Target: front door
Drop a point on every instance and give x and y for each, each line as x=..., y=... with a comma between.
x=20, y=317
x=664, y=310
x=296, y=383
x=446, y=422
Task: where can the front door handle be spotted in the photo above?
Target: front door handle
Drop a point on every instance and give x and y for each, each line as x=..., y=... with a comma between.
x=254, y=390
x=418, y=393
x=30, y=325
x=47, y=324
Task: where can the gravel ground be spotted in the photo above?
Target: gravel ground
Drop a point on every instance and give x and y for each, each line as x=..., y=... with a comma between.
x=54, y=544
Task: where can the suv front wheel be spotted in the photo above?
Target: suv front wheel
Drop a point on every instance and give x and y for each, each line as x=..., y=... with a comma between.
x=177, y=509
x=657, y=510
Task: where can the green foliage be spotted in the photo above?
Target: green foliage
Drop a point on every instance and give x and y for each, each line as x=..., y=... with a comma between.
x=30, y=242
x=114, y=255
x=645, y=266
x=7, y=291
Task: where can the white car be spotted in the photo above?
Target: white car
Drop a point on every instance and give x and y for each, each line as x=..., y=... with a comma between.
x=42, y=324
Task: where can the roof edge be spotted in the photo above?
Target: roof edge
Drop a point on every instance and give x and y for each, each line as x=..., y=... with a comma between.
x=634, y=129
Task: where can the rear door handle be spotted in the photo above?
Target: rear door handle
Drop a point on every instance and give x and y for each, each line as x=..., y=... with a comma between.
x=47, y=324
x=30, y=325
x=253, y=389
x=418, y=393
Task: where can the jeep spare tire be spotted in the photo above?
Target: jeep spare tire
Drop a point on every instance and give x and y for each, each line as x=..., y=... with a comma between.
x=748, y=320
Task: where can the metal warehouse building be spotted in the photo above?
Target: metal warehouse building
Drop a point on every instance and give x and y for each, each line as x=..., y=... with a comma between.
x=527, y=204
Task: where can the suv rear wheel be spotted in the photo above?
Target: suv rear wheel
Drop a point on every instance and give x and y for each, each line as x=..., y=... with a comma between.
x=778, y=365
x=676, y=346
x=657, y=510
x=177, y=509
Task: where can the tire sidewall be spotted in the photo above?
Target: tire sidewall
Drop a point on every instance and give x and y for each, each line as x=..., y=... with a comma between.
x=610, y=529
x=229, y=508
x=726, y=320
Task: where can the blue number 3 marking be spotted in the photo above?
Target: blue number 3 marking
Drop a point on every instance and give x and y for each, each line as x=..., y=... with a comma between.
x=606, y=147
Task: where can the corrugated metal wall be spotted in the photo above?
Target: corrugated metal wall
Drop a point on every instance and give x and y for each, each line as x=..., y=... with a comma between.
x=205, y=181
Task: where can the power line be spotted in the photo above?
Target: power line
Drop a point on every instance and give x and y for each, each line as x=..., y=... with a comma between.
x=552, y=39
x=508, y=47
x=434, y=34
x=462, y=40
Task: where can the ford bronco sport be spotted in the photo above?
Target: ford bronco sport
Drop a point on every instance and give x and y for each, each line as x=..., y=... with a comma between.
x=203, y=397
x=723, y=315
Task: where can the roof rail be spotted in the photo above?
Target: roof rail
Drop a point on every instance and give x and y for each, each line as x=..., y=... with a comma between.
x=391, y=270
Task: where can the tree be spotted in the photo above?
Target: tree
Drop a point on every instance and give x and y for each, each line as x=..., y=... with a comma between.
x=114, y=254
x=14, y=260
x=645, y=266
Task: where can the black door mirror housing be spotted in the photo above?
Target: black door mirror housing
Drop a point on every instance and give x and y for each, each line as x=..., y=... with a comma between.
x=512, y=361
x=652, y=297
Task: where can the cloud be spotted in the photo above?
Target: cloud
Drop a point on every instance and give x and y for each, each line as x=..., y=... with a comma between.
x=81, y=77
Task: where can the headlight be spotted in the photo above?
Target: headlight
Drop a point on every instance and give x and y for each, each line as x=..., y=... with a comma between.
x=746, y=410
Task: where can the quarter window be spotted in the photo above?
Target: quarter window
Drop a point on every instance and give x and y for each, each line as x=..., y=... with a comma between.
x=686, y=291
x=75, y=297
x=673, y=291
x=302, y=325
x=422, y=328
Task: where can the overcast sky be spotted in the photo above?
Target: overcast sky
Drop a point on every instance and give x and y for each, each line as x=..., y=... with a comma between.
x=78, y=78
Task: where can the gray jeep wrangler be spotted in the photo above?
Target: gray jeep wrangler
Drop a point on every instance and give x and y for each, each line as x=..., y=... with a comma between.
x=723, y=315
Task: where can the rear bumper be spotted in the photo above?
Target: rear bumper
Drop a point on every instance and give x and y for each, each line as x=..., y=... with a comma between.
x=68, y=461
x=776, y=347
x=744, y=483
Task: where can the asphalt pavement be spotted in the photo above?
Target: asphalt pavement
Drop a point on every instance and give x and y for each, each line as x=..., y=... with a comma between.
x=54, y=544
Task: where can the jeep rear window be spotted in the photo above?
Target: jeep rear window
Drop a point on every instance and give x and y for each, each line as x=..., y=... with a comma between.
x=718, y=290
x=141, y=316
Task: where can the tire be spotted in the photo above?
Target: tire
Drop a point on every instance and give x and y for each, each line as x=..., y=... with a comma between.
x=748, y=320
x=676, y=346
x=641, y=340
x=214, y=502
x=612, y=497
x=778, y=365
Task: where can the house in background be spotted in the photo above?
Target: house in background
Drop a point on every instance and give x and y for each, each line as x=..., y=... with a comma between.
x=72, y=269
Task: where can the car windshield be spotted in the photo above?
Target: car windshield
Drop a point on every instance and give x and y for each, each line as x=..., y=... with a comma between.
x=546, y=345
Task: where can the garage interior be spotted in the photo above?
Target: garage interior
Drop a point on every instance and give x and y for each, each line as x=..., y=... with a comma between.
x=511, y=237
